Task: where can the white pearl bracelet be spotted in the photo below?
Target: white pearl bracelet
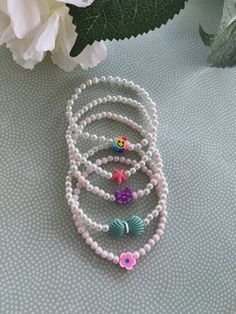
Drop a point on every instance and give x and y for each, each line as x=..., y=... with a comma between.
x=126, y=260
x=156, y=169
x=150, y=163
x=161, y=187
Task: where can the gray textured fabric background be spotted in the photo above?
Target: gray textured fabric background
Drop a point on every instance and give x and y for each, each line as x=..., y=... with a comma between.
x=44, y=265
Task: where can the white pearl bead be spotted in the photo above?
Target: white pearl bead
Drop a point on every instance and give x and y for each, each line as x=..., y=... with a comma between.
x=140, y=193
x=132, y=171
x=94, y=245
x=104, y=254
x=116, y=259
x=116, y=158
x=127, y=173
x=151, y=242
x=146, y=222
x=147, y=247
x=89, y=241
x=142, y=252
x=156, y=237
x=105, y=228
x=161, y=226
x=85, y=235
x=149, y=217
x=107, y=196
x=95, y=80
x=155, y=213
x=93, y=225
x=110, y=256
x=163, y=220
x=80, y=230
x=149, y=186
x=109, y=175
x=104, y=160
x=94, y=137
x=98, y=250
x=159, y=232
x=99, y=228
x=144, y=142
x=136, y=254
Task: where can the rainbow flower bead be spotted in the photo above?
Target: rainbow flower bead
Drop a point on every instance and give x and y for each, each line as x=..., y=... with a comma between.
x=120, y=144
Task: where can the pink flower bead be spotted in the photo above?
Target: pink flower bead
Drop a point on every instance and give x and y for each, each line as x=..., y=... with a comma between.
x=127, y=260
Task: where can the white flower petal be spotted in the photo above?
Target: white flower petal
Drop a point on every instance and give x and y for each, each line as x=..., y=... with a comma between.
x=46, y=36
x=92, y=55
x=18, y=47
x=89, y=57
x=25, y=15
x=6, y=31
x=64, y=62
x=3, y=6
x=78, y=3
x=7, y=35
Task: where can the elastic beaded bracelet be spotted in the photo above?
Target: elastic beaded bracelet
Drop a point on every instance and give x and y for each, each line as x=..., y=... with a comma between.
x=73, y=199
x=126, y=260
x=84, y=158
x=118, y=175
x=113, y=99
x=113, y=81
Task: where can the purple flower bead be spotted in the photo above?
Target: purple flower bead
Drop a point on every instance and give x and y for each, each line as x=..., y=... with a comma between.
x=123, y=196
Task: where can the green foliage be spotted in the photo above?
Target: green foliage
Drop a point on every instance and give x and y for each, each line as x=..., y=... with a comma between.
x=223, y=45
x=119, y=19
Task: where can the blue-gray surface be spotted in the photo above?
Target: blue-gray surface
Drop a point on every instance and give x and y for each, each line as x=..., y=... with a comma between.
x=44, y=265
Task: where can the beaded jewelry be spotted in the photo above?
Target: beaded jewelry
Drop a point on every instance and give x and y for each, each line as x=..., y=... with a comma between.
x=107, y=196
x=73, y=199
x=133, y=225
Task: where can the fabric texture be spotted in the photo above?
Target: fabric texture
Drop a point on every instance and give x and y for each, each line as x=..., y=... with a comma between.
x=45, y=267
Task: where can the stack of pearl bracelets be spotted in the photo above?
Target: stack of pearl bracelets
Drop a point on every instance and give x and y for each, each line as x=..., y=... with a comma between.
x=150, y=163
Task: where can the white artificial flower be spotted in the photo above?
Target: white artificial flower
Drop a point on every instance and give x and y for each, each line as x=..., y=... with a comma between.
x=30, y=28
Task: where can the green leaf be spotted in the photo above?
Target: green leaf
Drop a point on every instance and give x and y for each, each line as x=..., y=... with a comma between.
x=223, y=45
x=119, y=19
x=223, y=48
x=206, y=38
x=229, y=14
